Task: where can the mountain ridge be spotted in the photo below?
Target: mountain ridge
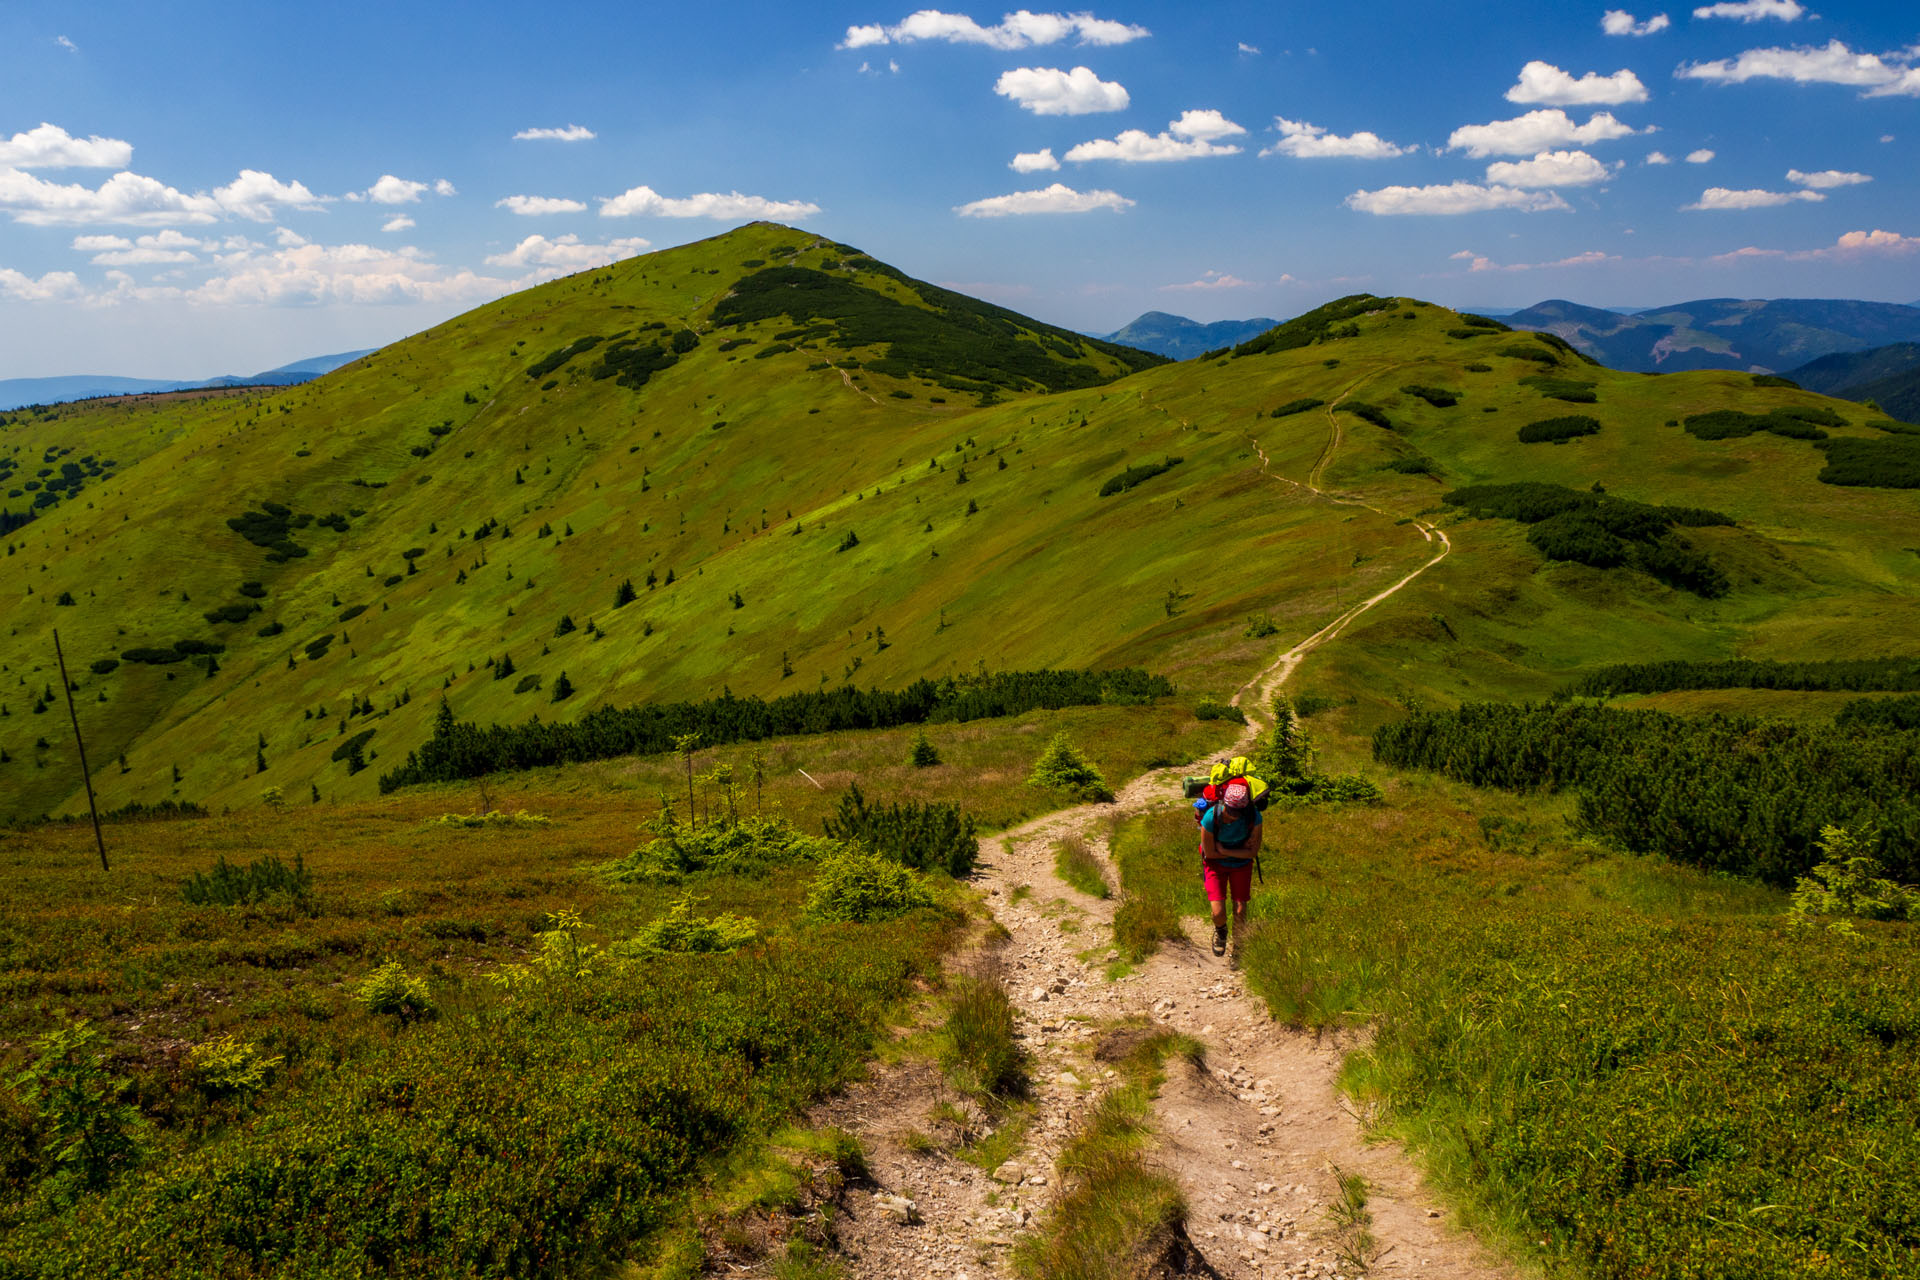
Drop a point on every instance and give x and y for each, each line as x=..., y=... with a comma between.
x=1179, y=338
x=1755, y=335
x=17, y=393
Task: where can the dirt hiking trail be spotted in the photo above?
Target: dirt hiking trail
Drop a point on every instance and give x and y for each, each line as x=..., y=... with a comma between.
x=1257, y=1138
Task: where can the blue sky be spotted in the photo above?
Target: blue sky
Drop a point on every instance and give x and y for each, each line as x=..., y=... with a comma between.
x=196, y=188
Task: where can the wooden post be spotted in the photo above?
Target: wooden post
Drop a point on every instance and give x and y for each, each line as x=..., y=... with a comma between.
x=93, y=809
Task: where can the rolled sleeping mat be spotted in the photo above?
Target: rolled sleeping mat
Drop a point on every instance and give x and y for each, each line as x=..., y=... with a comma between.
x=1193, y=788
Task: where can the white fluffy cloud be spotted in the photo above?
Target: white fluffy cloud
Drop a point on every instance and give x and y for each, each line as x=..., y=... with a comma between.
x=567, y=253
x=1475, y=262
x=1893, y=75
x=398, y=222
x=163, y=248
x=1618, y=22
x=392, y=190
x=1535, y=132
x=1542, y=82
x=1658, y=157
x=1549, y=169
x=126, y=198
x=1034, y=161
x=444, y=188
x=1049, y=91
x=1308, y=141
x=1015, y=31
x=51, y=147
x=1457, y=197
x=1752, y=10
x=315, y=274
x=1851, y=247
x=1193, y=135
x=1211, y=280
x=54, y=286
x=1703, y=156
x=1058, y=198
x=1826, y=179
x=571, y=133
x=1714, y=198
x=646, y=202
x=535, y=206
x=259, y=196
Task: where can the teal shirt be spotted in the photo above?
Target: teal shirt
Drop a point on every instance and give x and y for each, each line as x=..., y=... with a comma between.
x=1230, y=833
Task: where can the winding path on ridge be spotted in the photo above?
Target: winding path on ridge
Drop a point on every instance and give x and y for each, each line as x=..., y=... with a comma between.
x=1257, y=1138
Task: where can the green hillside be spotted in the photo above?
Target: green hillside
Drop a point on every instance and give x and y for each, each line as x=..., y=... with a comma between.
x=815, y=470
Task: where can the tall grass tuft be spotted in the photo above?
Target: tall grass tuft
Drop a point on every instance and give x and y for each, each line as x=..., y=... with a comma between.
x=1080, y=867
x=978, y=1048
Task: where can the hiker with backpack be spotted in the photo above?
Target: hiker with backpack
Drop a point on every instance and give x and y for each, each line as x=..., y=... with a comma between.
x=1230, y=839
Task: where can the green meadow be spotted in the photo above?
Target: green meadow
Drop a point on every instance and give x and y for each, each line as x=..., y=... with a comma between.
x=766, y=463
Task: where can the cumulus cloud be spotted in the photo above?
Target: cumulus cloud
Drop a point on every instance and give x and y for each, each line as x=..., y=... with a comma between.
x=259, y=196
x=646, y=202
x=567, y=253
x=1248, y=48
x=399, y=222
x=392, y=190
x=1049, y=91
x=571, y=133
x=1752, y=10
x=1057, y=198
x=165, y=247
x=1034, y=161
x=1457, y=197
x=1702, y=156
x=50, y=147
x=1019, y=30
x=126, y=198
x=535, y=206
x=1475, y=262
x=1618, y=22
x=1658, y=157
x=1833, y=63
x=444, y=188
x=1307, y=141
x=1535, y=132
x=1211, y=280
x=1851, y=247
x=1543, y=82
x=66, y=44
x=1549, y=169
x=1722, y=198
x=54, y=286
x=314, y=275
x=1826, y=179
x=1193, y=135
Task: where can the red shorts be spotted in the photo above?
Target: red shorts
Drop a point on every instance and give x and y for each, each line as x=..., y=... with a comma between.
x=1220, y=879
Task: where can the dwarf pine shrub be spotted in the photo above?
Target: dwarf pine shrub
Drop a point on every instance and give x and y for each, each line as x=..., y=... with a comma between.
x=87, y=1132
x=1849, y=882
x=926, y=837
x=680, y=931
x=1061, y=767
x=858, y=886
x=390, y=989
x=229, y=886
x=226, y=1067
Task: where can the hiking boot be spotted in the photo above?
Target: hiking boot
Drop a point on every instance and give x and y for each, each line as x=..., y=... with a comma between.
x=1220, y=940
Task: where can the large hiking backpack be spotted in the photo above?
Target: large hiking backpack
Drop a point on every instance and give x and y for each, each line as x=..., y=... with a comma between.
x=1214, y=785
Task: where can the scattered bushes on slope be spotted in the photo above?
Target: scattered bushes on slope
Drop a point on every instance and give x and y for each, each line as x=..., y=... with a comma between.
x=1890, y=463
x=1136, y=474
x=1728, y=794
x=1558, y=430
x=1848, y=674
x=1602, y=531
x=1323, y=324
x=1438, y=397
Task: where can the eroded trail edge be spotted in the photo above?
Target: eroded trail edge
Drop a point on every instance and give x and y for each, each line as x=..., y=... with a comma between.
x=1257, y=1138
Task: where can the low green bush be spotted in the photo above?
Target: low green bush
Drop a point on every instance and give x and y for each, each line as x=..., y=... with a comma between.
x=1557, y=430
x=1438, y=397
x=1213, y=709
x=1061, y=767
x=1891, y=463
x=751, y=848
x=1137, y=474
x=1292, y=407
x=1371, y=413
x=680, y=931
x=226, y=885
x=857, y=886
x=917, y=834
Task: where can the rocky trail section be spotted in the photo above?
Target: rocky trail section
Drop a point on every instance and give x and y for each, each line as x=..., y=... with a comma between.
x=1259, y=1138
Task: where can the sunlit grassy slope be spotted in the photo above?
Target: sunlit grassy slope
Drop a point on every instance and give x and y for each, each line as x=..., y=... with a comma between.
x=972, y=494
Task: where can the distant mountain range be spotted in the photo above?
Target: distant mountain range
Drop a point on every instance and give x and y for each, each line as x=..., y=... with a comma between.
x=1889, y=376
x=15, y=392
x=1761, y=335
x=1179, y=338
